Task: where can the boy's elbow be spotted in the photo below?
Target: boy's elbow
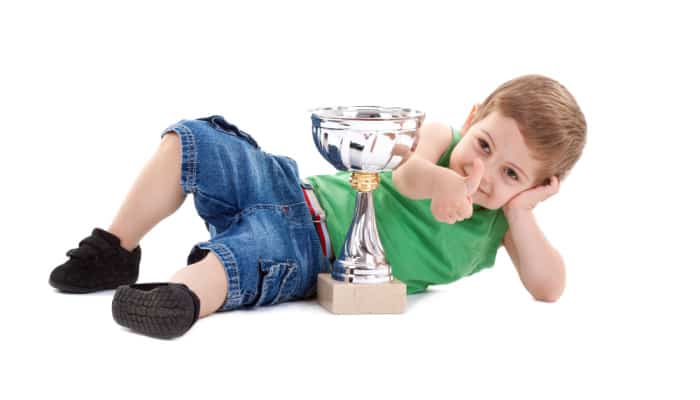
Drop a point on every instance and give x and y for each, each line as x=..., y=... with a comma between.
x=547, y=295
x=550, y=290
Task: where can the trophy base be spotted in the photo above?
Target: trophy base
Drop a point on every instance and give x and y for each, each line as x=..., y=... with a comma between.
x=361, y=298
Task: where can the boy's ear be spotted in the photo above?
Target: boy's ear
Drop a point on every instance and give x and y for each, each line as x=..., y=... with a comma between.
x=468, y=122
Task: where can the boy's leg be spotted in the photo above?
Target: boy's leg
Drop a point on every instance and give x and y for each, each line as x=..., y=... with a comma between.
x=155, y=194
x=169, y=309
x=207, y=279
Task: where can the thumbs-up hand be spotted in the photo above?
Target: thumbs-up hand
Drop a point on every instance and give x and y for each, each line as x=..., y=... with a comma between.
x=452, y=201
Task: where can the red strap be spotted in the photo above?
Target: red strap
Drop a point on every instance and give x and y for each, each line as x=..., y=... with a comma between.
x=319, y=230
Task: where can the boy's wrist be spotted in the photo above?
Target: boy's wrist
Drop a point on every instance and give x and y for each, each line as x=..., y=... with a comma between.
x=514, y=213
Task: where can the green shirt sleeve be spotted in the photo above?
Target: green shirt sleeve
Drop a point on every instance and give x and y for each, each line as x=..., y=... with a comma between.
x=444, y=160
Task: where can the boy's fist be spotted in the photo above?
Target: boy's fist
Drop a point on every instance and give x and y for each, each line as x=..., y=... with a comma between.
x=452, y=200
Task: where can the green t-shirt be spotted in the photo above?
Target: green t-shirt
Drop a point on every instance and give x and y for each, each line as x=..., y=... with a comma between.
x=421, y=250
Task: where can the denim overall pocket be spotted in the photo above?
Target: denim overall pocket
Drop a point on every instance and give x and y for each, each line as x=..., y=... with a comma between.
x=278, y=281
x=220, y=124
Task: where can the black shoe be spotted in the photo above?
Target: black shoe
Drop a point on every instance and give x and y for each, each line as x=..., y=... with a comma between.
x=99, y=263
x=162, y=310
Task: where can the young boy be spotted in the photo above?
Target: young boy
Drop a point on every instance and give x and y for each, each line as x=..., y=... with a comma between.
x=442, y=214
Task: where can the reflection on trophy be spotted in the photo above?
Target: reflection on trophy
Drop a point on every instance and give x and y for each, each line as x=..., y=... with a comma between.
x=364, y=140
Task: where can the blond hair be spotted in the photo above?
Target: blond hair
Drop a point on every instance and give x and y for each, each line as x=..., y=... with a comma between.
x=550, y=120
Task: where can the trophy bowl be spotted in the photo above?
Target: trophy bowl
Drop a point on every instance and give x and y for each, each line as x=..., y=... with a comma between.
x=364, y=140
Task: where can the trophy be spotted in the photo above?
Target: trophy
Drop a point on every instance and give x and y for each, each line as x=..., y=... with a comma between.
x=364, y=140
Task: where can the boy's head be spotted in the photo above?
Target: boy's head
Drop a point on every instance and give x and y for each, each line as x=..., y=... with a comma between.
x=529, y=129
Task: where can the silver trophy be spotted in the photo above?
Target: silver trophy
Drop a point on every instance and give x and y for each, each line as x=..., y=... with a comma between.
x=364, y=140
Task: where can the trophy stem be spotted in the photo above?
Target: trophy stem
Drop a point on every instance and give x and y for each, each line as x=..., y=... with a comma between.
x=362, y=259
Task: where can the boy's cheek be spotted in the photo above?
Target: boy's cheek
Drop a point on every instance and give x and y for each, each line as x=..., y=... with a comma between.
x=501, y=202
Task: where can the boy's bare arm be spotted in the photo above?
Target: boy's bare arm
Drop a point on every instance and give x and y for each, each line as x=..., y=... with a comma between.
x=415, y=177
x=539, y=264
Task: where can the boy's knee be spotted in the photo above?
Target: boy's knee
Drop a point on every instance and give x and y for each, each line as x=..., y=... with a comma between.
x=171, y=138
x=170, y=144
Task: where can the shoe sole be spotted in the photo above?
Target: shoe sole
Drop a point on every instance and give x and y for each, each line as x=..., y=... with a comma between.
x=164, y=312
x=75, y=289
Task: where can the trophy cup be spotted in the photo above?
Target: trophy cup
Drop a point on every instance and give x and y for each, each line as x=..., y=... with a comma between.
x=364, y=140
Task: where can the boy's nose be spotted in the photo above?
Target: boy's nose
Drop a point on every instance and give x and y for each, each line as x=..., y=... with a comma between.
x=490, y=170
x=485, y=184
x=486, y=179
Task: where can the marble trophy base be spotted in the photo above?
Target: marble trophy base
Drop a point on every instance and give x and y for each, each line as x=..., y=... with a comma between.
x=357, y=298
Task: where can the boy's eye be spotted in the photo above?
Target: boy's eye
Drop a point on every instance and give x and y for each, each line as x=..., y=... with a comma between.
x=514, y=176
x=483, y=143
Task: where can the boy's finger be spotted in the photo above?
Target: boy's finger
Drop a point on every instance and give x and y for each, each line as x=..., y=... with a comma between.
x=474, y=178
x=470, y=208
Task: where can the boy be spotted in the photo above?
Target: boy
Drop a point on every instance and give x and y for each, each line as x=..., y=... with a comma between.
x=463, y=193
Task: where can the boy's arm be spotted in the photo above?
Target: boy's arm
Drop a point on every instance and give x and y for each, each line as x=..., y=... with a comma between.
x=415, y=176
x=539, y=265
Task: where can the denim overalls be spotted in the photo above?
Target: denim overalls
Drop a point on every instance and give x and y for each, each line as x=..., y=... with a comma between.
x=252, y=203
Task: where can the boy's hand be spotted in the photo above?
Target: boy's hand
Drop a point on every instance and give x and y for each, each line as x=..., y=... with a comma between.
x=528, y=199
x=452, y=200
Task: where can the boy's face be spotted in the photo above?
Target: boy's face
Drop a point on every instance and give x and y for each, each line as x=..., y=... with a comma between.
x=508, y=167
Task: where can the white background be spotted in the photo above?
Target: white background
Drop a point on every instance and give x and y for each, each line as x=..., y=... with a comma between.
x=86, y=88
